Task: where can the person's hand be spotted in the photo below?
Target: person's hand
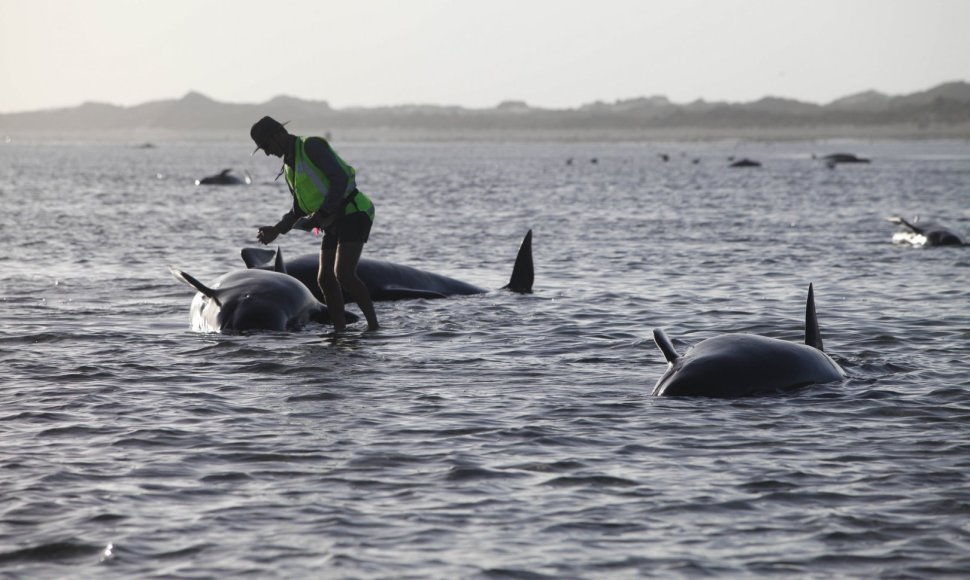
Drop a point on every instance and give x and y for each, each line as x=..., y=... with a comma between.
x=267, y=234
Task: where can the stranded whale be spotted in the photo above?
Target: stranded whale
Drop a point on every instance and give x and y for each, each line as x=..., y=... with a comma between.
x=390, y=281
x=746, y=163
x=253, y=300
x=738, y=365
x=925, y=233
x=840, y=158
x=225, y=177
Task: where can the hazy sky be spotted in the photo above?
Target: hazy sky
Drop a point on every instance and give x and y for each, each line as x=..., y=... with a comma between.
x=549, y=53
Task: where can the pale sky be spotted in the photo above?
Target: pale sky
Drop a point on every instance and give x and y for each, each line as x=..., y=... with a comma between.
x=549, y=53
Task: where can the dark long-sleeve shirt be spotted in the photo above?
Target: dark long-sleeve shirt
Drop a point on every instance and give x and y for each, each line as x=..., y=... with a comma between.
x=321, y=155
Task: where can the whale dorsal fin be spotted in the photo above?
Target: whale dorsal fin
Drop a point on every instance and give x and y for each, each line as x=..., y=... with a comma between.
x=225, y=172
x=258, y=257
x=813, y=337
x=665, y=346
x=278, y=264
x=191, y=281
x=523, y=273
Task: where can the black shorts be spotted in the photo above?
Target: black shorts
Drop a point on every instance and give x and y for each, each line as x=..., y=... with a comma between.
x=349, y=228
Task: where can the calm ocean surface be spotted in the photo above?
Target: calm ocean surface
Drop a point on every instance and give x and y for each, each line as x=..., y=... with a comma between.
x=491, y=436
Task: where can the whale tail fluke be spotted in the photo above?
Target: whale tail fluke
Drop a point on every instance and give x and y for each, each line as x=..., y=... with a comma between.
x=260, y=258
x=665, y=345
x=191, y=281
x=263, y=259
x=902, y=222
x=813, y=337
x=523, y=273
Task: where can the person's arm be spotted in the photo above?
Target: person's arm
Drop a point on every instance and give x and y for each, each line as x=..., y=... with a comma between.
x=323, y=157
x=289, y=218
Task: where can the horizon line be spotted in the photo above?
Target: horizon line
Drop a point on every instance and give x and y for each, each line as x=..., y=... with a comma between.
x=472, y=108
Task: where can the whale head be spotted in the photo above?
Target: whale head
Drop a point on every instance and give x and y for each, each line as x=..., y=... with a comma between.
x=245, y=300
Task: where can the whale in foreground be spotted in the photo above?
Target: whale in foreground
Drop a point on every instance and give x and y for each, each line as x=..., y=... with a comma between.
x=248, y=300
x=389, y=281
x=925, y=233
x=741, y=365
x=225, y=177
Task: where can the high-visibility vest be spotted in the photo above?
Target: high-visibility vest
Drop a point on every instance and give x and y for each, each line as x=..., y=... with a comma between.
x=311, y=186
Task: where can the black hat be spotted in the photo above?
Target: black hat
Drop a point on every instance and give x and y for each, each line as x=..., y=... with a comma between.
x=263, y=129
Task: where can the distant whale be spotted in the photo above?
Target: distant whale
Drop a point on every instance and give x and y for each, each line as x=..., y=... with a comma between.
x=834, y=159
x=746, y=163
x=925, y=233
x=390, y=281
x=246, y=300
x=739, y=365
x=225, y=177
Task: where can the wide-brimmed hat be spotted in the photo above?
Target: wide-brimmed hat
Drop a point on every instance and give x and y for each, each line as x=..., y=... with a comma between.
x=263, y=129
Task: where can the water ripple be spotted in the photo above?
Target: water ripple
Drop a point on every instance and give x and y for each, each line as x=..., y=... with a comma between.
x=499, y=435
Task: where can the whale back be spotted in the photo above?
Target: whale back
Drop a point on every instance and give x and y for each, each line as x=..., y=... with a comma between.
x=391, y=281
x=738, y=365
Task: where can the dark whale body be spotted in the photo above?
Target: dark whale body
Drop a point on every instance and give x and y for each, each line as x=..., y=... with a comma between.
x=389, y=281
x=740, y=365
x=225, y=177
x=834, y=159
x=746, y=163
x=246, y=300
x=926, y=233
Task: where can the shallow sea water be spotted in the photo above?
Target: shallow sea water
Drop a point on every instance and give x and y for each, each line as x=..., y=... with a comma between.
x=490, y=436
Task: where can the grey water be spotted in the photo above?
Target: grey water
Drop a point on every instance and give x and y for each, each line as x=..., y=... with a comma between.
x=497, y=435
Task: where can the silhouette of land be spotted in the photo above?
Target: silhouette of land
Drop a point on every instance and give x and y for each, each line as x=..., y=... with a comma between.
x=940, y=112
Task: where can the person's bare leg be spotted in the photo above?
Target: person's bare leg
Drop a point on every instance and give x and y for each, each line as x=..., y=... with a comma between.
x=348, y=254
x=327, y=279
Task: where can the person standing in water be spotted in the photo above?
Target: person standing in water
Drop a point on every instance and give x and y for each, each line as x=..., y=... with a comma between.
x=324, y=190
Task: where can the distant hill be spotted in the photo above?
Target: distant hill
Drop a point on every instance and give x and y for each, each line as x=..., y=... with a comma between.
x=869, y=100
x=942, y=111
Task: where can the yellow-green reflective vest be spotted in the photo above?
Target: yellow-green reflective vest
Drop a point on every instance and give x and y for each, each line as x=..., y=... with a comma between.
x=311, y=186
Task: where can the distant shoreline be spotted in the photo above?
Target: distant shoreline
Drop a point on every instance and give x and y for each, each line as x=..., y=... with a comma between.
x=905, y=132
x=942, y=112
